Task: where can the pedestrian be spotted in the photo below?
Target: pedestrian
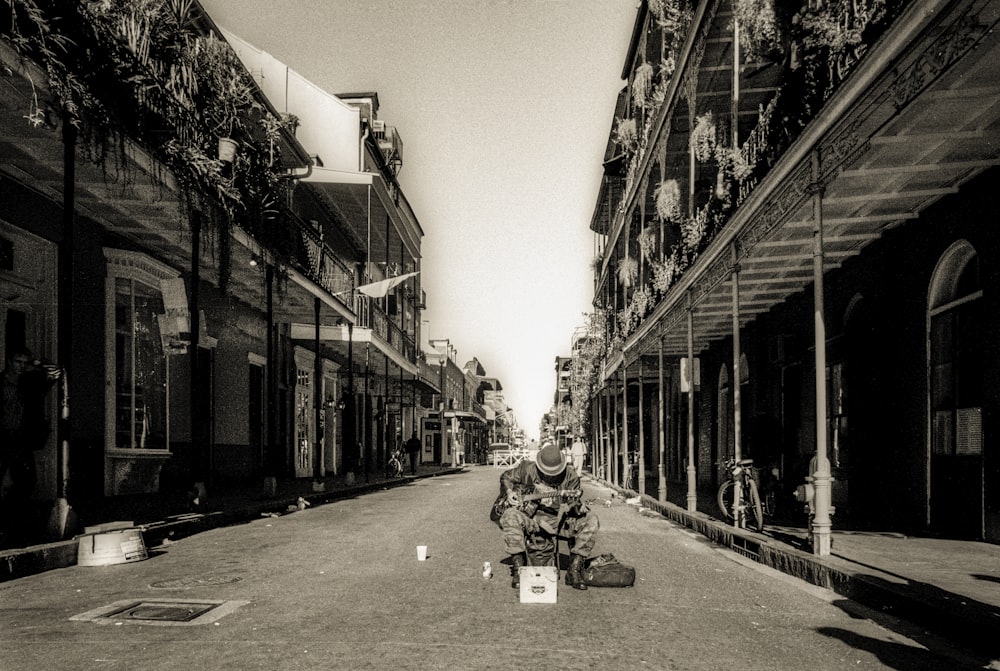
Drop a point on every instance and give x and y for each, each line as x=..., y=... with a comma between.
x=24, y=429
x=532, y=524
x=413, y=450
x=578, y=451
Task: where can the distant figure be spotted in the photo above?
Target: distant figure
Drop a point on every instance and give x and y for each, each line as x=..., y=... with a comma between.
x=413, y=450
x=578, y=451
x=23, y=426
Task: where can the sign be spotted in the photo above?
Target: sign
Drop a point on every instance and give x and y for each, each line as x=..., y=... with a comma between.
x=686, y=374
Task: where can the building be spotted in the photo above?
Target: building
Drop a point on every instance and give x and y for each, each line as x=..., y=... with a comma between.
x=361, y=217
x=797, y=254
x=459, y=431
x=221, y=318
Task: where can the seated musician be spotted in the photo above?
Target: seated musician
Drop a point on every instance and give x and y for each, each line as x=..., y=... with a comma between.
x=531, y=524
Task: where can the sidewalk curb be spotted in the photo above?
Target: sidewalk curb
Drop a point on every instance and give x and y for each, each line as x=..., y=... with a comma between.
x=961, y=619
x=21, y=562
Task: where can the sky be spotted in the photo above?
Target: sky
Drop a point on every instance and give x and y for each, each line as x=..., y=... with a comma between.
x=504, y=108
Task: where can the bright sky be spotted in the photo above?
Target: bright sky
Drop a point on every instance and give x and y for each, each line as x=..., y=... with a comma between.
x=504, y=108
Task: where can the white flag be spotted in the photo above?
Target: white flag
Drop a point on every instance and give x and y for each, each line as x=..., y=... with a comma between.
x=381, y=288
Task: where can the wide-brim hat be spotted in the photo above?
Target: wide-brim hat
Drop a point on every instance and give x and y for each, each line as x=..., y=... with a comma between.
x=550, y=460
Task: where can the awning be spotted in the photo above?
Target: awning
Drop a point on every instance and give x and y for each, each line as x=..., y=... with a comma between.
x=463, y=416
x=339, y=333
x=423, y=386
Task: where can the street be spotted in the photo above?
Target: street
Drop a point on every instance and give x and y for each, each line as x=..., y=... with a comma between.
x=338, y=586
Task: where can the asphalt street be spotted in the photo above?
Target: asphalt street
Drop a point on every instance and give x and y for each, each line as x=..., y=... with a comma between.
x=338, y=586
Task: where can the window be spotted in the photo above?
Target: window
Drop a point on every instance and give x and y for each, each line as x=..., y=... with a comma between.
x=956, y=351
x=137, y=361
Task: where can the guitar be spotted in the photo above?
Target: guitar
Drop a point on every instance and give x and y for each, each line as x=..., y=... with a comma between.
x=529, y=502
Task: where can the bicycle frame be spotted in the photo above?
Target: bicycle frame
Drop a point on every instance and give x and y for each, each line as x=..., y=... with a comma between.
x=745, y=494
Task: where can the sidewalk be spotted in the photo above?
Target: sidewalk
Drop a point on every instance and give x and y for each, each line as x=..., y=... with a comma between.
x=949, y=588
x=161, y=520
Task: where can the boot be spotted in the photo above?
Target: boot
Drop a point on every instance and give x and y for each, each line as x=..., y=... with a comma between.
x=516, y=562
x=574, y=574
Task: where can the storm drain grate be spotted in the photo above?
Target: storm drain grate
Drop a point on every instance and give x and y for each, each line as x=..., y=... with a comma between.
x=174, y=612
x=745, y=548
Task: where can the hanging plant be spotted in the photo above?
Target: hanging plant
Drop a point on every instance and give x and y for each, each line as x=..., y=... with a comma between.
x=668, y=200
x=625, y=134
x=628, y=271
x=139, y=69
x=656, y=8
x=829, y=27
x=693, y=230
x=659, y=94
x=739, y=166
x=142, y=71
x=667, y=67
x=703, y=137
x=673, y=16
x=647, y=242
x=641, y=302
x=627, y=321
x=758, y=28
x=642, y=84
x=664, y=273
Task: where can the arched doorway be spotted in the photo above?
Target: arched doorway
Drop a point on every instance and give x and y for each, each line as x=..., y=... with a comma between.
x=955, y=400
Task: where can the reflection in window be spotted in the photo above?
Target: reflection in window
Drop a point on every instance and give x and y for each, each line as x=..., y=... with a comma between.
x=140, y=367
x=957, y=344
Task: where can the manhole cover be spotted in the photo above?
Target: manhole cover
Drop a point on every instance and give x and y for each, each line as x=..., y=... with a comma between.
x=176, y=612
x=163, y=612
x=196, y=581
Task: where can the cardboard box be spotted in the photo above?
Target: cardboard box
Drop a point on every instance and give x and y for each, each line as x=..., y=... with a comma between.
x=538, y=584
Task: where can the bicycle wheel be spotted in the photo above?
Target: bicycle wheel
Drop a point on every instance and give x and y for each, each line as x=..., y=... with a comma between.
x=755, y=513
x=769, y=502
x=725, y=499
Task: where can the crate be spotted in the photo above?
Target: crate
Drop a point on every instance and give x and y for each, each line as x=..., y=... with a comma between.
x=538, y=584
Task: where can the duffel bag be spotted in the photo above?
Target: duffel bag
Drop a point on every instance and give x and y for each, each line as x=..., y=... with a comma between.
x=606, y=571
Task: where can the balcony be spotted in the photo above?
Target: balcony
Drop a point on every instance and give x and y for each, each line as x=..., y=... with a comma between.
x=372, y=316
x=863, y=113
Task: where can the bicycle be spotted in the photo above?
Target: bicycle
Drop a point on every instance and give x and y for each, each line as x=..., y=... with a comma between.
x=750, y=508
x=631, y=475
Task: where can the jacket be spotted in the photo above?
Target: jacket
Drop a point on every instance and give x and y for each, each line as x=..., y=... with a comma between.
x=525, y=479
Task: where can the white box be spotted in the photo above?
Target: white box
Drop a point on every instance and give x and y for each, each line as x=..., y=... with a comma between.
x=538, y=584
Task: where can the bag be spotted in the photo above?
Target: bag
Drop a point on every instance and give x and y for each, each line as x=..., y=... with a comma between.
x=606, y=571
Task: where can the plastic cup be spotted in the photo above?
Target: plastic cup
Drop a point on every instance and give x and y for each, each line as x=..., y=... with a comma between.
x=421, y=552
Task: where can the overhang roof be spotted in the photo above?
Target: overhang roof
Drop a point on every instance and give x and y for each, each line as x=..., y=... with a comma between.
x=366, y=203
x=464, y=416
x=918, y=118
x=143, y=207
x=338, y=336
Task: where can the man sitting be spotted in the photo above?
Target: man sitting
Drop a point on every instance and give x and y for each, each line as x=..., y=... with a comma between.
x=532, y=524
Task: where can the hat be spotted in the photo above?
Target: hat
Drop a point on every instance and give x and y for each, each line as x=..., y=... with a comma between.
x=550, y=460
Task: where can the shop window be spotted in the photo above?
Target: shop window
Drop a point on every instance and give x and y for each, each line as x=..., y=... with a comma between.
x=137, y=361
x=956, y=351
